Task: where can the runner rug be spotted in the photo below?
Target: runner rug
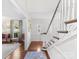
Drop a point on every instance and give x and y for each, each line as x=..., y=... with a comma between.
x=35, y=55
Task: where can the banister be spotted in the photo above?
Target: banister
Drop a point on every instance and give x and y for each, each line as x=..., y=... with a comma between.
x=71, y=21
x=53, y=16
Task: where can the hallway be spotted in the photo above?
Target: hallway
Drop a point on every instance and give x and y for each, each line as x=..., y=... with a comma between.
x=19, y=53
x=48, y=28
x=33, y=52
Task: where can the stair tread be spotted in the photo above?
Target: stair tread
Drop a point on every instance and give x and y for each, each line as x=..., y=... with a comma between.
x=71, y=21
x=44, y=48
x=56, y=37
x=44, y=33
x=62, y=31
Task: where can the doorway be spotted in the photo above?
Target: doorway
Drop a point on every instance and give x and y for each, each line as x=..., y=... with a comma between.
x=16, y=30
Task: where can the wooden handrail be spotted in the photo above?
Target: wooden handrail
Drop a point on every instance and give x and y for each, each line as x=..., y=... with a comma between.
x=71, y=21
x=56, y=37
x=53, y=15
x=45, y=33
x=62, y=31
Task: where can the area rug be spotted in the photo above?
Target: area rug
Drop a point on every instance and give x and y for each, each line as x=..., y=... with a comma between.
x=35, y=55
x=8, y=48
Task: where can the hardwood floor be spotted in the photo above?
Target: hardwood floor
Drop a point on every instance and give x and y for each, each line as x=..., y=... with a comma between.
x=35, y=45
x=20, y=53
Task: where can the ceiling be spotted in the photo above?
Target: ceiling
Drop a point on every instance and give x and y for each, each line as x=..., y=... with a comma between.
x=40, y=12
x=38, y=9
x=10, y=11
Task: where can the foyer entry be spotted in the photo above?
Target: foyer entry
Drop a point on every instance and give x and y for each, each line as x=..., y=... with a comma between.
x=35, y=52
x=35, y=55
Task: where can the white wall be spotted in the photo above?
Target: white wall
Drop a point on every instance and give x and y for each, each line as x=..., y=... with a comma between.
x=17, y=10
x=10, y=10
x=5, y=25
x=66, y=50
x=40, y=11
x=43, y=27
x=44, y=23
x=41, y=5
x=27, y=37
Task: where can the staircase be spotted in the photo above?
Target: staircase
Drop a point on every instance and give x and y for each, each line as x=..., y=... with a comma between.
x=70, y=34
x=66, y=30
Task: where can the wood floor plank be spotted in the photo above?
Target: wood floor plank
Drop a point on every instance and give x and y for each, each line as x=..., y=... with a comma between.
x=35, y=45
x=20, y=53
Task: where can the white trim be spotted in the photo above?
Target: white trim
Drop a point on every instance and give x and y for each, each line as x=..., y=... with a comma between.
x=61, y=52
x=18, y=7
x=17, y=46
x=71, y=37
